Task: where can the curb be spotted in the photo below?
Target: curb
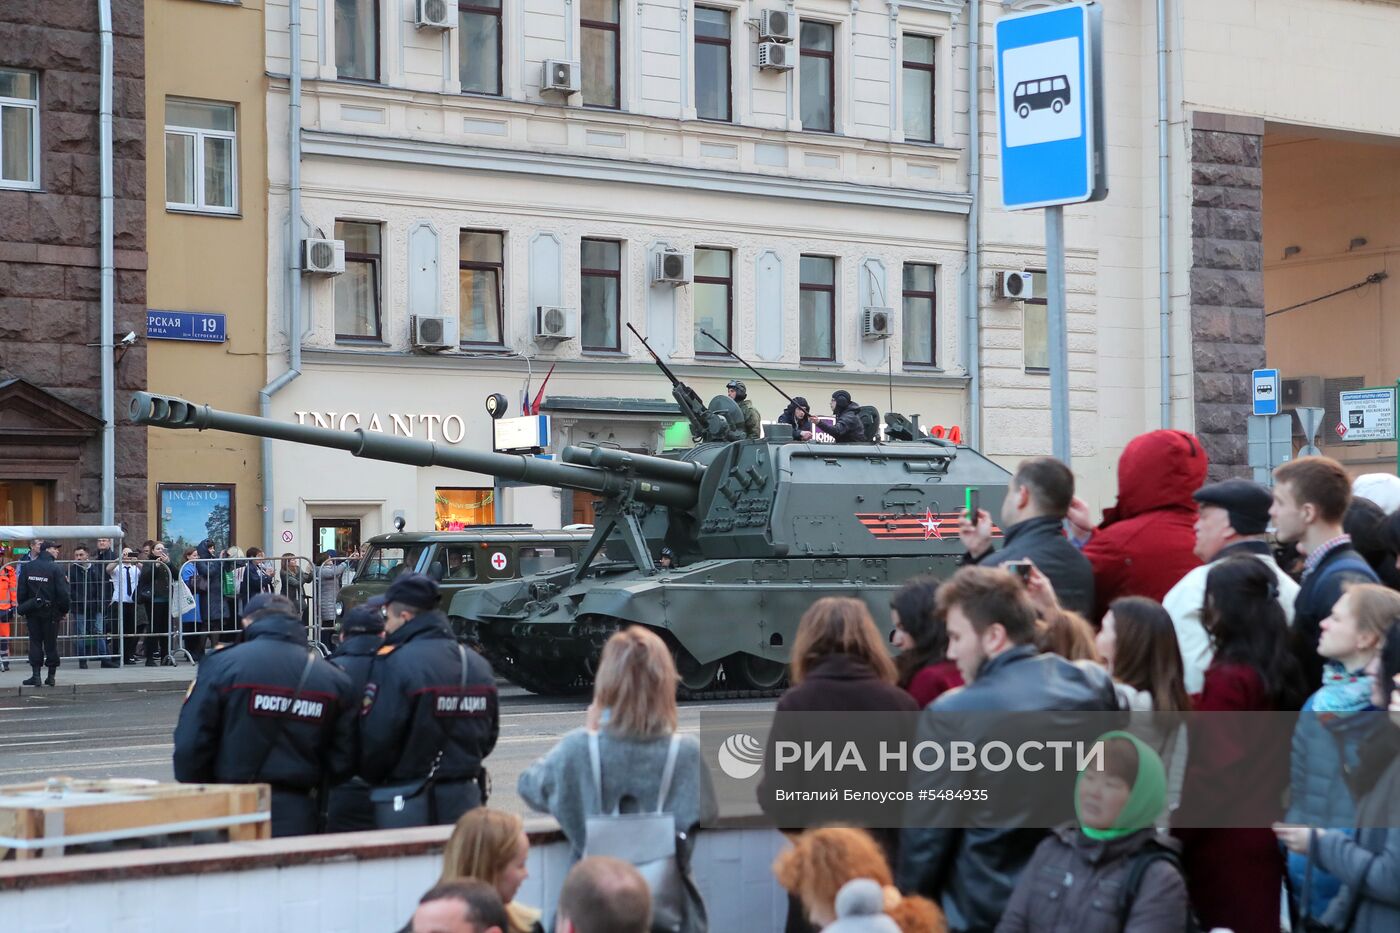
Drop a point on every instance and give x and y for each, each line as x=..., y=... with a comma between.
x=72, y=689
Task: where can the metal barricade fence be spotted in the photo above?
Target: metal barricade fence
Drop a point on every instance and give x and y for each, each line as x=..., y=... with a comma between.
x=119, y=611
x=222, y=586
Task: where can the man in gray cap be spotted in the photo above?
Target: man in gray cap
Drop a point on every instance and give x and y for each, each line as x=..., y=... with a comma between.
x=429, y=717
x=1233, y=520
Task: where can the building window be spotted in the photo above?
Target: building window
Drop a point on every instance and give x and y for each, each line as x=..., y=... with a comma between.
x=602, y=53
x=918, y=88
x=201, y=157
x=920, y=314
x=600, y=282
x=479, y=42
x=817, y=306
x=480, y=269
x=456, y=508
x=714, y=298
x=1035, y=325
x=19, y=129
x=818, y=76
x=357, y=39
x=713, y=95
x=357, y=289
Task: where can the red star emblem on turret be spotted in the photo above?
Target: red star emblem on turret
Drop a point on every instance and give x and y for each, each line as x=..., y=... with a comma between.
x=930, y=526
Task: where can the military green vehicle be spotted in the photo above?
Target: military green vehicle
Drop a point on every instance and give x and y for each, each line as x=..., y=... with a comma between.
x=760, y=529
x=460, y=559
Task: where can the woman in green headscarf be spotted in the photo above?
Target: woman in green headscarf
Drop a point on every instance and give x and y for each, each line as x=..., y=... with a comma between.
x=1078, y=879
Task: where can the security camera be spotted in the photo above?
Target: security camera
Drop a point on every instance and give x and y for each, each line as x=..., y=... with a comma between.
x=129, y=339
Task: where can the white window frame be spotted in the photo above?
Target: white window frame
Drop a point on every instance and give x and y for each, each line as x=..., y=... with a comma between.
x=199, y=135
x=35, y=134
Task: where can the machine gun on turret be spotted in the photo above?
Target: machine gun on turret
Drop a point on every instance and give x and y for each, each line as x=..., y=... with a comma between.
x=720, y=421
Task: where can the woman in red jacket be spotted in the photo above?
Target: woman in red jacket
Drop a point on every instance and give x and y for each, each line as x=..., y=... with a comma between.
x=1237, y=772
x=921, y=636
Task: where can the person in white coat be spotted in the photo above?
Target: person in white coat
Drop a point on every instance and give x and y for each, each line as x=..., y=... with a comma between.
x=1233, y=520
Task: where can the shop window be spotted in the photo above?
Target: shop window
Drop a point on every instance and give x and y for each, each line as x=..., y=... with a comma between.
x=456, y=509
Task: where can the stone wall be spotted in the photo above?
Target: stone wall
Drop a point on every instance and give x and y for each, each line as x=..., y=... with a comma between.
x=50, y=281
x=1227, y=282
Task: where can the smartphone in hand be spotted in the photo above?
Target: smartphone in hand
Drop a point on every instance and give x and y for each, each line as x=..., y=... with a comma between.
x=1021, y=568
x=972, y=503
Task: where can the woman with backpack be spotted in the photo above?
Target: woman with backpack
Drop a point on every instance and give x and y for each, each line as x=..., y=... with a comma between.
x=1110, y=871
x=627, y=784
x=1368, y=864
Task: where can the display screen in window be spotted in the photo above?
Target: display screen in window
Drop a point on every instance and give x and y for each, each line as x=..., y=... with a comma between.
x=458, y=509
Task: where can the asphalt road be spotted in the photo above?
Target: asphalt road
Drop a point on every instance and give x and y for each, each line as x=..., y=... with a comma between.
x=128, y=735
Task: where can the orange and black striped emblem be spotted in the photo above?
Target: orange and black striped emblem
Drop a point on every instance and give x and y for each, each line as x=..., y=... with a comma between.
x=903, y=526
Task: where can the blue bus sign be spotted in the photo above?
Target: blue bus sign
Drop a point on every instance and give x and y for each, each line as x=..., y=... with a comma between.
x=199, y=326
x=1049, y=107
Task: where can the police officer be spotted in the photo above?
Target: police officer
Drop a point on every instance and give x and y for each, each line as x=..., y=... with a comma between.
x=361, y=636
x=269, y=709
x=430, y=714
x=753, y=424
x=42, y=599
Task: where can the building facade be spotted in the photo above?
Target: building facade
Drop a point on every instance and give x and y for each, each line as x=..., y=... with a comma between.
x=50, y=263
x=207, y=223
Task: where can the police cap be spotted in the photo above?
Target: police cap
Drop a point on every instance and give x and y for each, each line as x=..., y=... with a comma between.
x=268, y=604
x=416, y=590
x=1248, y=504
x=365, y=618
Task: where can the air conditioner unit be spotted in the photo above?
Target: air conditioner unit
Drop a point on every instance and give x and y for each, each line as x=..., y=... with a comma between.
x=775, y=56
x=670, y=267
x=1302, y=392
x=560, y=77
x=553, y=324
x=436, y=14
x=1015, y=286
x=323, y=257
x=434, y=333
x=876, y=323
x=775, y=26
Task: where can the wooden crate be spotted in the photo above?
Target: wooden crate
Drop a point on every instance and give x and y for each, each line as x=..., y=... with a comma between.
x=46, y=817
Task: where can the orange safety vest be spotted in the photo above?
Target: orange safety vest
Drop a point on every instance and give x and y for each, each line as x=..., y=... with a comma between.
x=9, y=593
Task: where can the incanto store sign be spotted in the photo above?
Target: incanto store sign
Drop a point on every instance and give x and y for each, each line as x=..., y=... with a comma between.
x=428, y=427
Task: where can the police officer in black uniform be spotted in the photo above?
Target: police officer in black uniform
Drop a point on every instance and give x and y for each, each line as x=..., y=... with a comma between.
x=42, y=598
x=430, y=714
x=361, y=636
x=269, y=709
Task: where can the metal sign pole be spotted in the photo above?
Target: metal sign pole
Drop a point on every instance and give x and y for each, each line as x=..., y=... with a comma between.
x=1058, y=338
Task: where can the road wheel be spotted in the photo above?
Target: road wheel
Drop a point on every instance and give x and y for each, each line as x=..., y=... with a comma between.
x=1058, y=105
x=695, y=677
x=1024, y=110
x=755, y=673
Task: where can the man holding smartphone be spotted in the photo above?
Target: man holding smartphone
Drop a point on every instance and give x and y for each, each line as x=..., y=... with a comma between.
x=1032, y=516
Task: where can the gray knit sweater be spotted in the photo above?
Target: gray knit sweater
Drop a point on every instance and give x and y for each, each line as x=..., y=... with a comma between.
x=561, y=783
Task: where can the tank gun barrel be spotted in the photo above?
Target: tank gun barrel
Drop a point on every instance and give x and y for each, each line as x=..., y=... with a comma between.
x=608, y=458
x=679, y=488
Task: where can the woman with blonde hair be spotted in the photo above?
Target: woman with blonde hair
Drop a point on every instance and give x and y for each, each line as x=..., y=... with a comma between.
x=631, y=729
x=841, y=878
x=491, y=846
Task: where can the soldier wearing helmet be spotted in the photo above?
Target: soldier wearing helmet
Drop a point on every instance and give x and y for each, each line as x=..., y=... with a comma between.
x=740, y=394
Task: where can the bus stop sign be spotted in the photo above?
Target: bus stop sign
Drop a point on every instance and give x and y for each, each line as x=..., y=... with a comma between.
x=1049, y=106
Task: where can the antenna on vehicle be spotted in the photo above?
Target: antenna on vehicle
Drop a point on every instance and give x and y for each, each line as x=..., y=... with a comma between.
x=725, y=347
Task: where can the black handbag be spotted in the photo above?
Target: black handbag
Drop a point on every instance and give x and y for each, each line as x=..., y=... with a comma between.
x=398, y=806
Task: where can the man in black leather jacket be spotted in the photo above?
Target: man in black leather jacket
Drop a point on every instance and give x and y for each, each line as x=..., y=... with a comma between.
x=991, y=623
x=1032, y=516
x=361, y=636
x=244, y=720
x=421, y=730
x=848, y=428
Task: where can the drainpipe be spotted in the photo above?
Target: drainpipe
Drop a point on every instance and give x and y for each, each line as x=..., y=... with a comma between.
x=1164, y=217
x=292, y=264
x=974, y=188
x=108, y=275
